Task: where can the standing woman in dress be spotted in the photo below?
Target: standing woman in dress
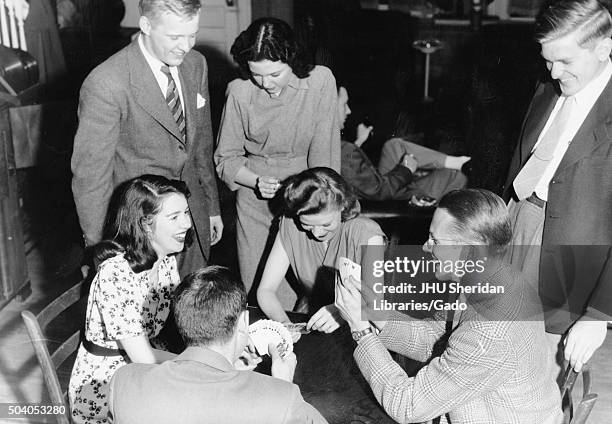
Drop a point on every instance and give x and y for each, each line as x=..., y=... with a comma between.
x=129, y=298
x=279, y=120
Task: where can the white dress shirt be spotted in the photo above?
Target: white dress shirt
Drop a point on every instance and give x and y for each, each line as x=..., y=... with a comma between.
x=585, y=99
x=162, y=80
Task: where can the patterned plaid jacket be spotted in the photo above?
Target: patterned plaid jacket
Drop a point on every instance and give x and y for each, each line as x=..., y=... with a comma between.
x=492, y=370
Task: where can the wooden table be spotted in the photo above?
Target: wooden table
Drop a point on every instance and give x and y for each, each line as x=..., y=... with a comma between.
x=329, y=377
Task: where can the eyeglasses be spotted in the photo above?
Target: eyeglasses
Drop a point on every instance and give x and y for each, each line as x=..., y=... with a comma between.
x=431, y=240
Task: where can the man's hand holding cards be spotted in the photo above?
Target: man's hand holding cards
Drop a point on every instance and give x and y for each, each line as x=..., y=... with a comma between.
x=265, y=332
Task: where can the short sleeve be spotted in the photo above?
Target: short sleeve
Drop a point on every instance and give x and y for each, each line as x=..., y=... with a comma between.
x=287, y=232
x=361, y=229
x=118, y=299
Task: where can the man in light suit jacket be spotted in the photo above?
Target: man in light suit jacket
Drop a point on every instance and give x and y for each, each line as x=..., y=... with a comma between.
x=202, y=385
x=127, y=127
x=561, y=202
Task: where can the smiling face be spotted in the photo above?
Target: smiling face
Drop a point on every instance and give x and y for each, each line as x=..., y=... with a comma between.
x=322, y=226
x=271, y=76
x=169, y=37
x=574, y=66
x=170, y=225
x=443, y=243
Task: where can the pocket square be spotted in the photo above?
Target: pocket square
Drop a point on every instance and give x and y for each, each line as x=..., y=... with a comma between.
x=200, y=101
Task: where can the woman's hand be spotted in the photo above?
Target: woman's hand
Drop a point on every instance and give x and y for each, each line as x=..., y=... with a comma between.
x=326, y=319
x=348, y=304
x=267, y=186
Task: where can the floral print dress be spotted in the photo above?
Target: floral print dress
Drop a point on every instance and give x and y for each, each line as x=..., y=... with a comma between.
x=121, y=304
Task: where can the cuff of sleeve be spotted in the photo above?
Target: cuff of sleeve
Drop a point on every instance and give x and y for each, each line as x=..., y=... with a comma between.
x=369, y=347
x=228, y=171
x=215, y=209
x=403, y=171
x=390, y=332
x=596, y=314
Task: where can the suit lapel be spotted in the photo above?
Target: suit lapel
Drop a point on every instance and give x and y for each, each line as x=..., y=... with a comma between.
x=147, y=92
x=594, y=130
x=539, y=110
x=543, y=104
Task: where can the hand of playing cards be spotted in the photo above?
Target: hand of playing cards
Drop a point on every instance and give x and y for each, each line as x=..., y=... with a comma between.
x=348, y=291
x=266, y=331
x=348, y=269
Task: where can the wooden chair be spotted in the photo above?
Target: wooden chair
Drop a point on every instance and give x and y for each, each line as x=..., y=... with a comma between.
x=49, y=363
x=580, y=413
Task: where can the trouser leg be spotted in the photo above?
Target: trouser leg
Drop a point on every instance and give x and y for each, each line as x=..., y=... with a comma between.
x=394, y=149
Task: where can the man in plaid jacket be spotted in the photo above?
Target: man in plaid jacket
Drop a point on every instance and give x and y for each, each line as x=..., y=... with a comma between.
x=493, y=367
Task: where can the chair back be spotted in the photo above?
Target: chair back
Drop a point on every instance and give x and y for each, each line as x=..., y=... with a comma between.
x=580, y=413
x=49, y=363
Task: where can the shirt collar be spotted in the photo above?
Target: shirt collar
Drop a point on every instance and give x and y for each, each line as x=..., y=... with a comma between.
x=294, y=82
x=298, y=83
x=205, y=356
x=589, y=94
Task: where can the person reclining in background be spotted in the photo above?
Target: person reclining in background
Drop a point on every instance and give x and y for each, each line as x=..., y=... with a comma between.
x=395, y=176
x=203, y=384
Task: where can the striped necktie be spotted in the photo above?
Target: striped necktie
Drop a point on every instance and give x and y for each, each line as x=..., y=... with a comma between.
x=174, y=101
x=529, y=177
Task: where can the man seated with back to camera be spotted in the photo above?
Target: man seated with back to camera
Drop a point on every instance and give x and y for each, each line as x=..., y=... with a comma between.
x=202, y=385
x=395, y=177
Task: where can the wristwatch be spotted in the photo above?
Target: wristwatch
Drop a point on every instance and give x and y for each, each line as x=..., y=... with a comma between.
x=358, y=335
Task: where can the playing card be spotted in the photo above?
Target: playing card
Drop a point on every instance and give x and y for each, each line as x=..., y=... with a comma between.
x=348, y=269
x=265, y=331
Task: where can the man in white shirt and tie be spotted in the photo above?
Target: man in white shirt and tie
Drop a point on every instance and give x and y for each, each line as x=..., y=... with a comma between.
x=559, y=185
x=146, y=110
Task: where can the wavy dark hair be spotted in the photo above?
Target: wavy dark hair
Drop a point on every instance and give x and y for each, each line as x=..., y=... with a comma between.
x=319, y=189
x=207, y=305
x=269, y=39
x=132, y=207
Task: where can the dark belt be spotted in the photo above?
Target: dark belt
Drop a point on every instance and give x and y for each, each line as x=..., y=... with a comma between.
x=536, y=201
x=98, y=350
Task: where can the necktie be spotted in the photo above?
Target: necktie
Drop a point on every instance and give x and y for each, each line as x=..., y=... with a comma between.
x=527, y=179
x=174, y=101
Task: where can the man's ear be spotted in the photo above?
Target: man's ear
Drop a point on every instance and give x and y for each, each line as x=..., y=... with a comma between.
x=603, y=49
x=145, y=25
x=244, y=320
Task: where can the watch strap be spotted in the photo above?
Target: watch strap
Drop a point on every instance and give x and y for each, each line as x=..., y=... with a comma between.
x=358, y=335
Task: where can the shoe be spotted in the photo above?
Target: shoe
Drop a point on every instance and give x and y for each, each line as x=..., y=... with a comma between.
x=466, y=168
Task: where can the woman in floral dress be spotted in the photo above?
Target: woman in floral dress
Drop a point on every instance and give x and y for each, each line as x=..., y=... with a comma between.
x=129, y=299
